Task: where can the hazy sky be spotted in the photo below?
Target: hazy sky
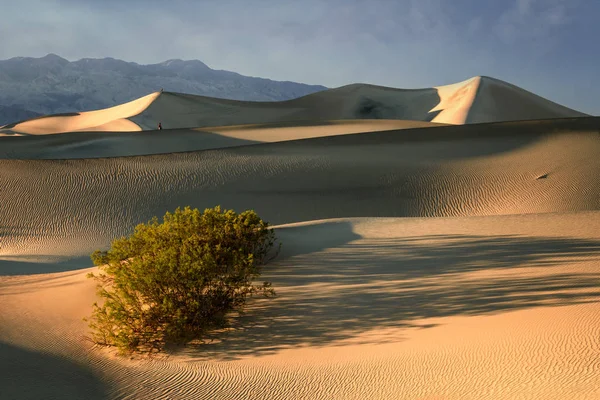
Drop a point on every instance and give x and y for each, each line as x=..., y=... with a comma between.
x=550, y=47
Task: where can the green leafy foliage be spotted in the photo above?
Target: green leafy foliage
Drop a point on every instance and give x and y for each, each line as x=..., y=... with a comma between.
x=174, y=281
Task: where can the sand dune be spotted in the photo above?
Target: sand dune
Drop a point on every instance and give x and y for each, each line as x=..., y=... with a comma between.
x=453, y=308
x=113, y=118
x=452, y=104
x=429, y=252
x=476, y=100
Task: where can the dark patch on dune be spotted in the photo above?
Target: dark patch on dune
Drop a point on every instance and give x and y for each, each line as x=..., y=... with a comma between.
x=372, y=109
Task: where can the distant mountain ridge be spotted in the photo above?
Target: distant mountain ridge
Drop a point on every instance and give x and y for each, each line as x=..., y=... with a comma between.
x=30, y=87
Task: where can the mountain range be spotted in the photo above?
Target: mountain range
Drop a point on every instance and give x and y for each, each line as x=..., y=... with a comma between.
x=31, y=87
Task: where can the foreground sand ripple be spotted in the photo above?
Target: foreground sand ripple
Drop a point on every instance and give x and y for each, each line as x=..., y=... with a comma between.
x=453, y=308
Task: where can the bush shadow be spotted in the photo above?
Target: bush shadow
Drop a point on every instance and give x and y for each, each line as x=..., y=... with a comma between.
x=325, y=297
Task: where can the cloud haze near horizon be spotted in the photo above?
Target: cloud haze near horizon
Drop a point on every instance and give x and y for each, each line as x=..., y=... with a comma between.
x=545, y=46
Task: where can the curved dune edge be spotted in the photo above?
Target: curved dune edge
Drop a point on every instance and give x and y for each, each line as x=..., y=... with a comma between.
x=471, y=307
x=113, y=119
x=456, y=101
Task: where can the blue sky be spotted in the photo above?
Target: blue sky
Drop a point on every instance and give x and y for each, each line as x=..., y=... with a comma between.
x=550, y=47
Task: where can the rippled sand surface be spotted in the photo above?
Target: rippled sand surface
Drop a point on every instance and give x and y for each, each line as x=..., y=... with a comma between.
x=419, y=261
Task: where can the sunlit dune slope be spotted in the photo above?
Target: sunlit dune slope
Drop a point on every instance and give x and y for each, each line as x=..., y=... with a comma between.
x=108, y=119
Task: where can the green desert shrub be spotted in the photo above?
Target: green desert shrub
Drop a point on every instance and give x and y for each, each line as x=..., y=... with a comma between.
x=174, y=281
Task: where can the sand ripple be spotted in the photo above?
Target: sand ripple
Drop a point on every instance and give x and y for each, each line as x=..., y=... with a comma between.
x=64, y=209
x=453, y=308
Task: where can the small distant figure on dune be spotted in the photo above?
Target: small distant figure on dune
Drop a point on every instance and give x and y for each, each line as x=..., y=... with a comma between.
x=161, y=90
x=159, y=126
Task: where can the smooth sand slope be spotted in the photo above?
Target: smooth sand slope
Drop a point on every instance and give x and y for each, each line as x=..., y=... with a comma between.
x=410, y=308
x=476, y=100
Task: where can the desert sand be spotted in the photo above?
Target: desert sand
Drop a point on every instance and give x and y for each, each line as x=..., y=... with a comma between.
x=450, y=251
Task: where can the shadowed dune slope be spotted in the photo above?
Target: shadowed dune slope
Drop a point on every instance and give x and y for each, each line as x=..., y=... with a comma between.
x=479, y=99
x=60, y=210
x=118, y=144
x=495, y=97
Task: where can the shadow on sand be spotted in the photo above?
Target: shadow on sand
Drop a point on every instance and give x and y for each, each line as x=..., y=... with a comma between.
x=25, y=374
x=325, y=297
x=42, y=264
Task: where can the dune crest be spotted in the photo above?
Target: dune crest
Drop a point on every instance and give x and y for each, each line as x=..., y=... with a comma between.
x=483, y=99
